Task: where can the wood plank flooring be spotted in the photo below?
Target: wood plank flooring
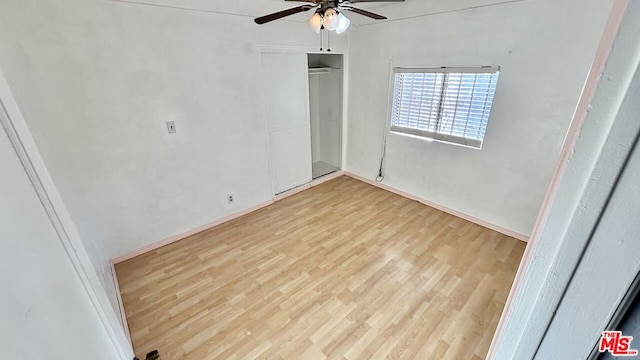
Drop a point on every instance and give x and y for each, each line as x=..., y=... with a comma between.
x=344, y=270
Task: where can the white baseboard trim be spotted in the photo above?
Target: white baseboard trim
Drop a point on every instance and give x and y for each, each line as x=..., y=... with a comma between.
x=123, y=315
x=161, y=243
x=464, y=216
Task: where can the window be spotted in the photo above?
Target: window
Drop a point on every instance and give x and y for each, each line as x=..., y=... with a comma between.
x=446, y=104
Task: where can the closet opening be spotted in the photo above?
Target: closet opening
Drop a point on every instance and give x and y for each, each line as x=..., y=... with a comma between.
x=325, y=107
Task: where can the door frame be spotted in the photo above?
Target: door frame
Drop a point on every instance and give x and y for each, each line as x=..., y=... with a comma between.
x=517, y=328
x=15, y=126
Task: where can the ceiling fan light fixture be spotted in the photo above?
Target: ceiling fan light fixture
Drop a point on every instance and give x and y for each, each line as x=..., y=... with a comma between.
x=315, y=23
x=327, y=15
x=331, y=19
x=343, y=25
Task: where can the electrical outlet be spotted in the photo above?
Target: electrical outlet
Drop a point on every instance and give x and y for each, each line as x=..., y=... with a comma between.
x=230, y=198
x=171, y=126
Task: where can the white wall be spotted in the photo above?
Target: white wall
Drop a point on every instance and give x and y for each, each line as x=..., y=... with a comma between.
x=325, y=93
x=314, y=112
x=545, y=49
x=44, y=308
x=97, y=80
x=331, y=99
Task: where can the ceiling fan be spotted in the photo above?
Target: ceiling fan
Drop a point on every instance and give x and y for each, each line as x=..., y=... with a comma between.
x=328, y=14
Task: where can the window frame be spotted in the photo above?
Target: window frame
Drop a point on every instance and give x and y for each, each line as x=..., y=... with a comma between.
x=431, y=135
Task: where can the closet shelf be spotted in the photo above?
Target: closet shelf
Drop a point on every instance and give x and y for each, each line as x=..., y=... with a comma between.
x=319, y=71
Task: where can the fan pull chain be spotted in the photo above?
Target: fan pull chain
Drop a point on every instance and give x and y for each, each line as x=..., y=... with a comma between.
x=320, y=39
x=329, y=41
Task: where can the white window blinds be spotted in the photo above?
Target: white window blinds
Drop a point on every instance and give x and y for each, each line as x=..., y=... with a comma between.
x=447, y=104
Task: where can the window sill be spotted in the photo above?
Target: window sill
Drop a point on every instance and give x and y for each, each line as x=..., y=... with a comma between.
x=437, y=137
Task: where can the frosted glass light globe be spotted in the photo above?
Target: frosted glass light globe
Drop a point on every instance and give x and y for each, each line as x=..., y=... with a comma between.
x=331, y=19
x=344, y=24
x=315, y=23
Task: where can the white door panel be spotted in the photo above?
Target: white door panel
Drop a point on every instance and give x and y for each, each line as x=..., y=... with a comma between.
x=287, y=107
x=290, y=147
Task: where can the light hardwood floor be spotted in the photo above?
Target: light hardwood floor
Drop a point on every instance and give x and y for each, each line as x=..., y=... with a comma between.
x=344, y=270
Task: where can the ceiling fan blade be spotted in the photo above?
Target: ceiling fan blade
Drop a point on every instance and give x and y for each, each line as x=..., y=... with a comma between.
x=365, y=13
x=280, y=14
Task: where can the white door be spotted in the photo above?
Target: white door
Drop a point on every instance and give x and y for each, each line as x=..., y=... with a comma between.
x=287, y=105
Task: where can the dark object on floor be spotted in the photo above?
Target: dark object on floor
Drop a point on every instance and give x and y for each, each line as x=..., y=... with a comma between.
x=154, y=355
